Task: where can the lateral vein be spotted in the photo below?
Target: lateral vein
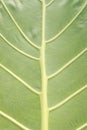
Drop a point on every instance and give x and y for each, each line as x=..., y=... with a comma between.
x=67, y=64
x=50, y=3
x=68, y=25
x=13, y=121
x=18, y=50
x=68, y=98
x=82, y=126
x=19, y=79
x=18, y=27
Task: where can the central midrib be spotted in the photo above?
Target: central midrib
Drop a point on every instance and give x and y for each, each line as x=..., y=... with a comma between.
x=43, y=98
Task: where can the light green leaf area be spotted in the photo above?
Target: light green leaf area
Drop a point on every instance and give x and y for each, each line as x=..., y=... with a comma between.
x=43, y=65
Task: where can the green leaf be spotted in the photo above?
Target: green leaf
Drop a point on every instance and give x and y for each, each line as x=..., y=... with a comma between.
x=43, y=60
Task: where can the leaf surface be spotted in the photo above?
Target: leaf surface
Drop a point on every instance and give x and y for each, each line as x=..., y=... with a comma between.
x=43, y=64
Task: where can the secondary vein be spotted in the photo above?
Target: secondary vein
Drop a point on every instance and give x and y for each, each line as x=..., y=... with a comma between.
x=82, y=126
x=68, y=25
x=19, y=79
x=18, y=27
x=17, y=49
x=68, y=98
x=13, y=120
x=67, y=64
x=50, y=3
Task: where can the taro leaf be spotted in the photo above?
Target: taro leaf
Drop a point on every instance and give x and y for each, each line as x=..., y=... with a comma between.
x=43, y=64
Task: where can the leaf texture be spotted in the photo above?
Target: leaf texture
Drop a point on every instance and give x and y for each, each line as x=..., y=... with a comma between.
x=43, y=65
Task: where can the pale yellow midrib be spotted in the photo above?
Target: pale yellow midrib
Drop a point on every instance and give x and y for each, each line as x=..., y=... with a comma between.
x=43, y=96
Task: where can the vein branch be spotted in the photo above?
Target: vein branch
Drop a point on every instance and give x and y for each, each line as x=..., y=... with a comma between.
x=68, y=25
x=50, y=3
x=82, y=126
x=13, y=121
x=18, y=27
x=68, y=99
x=67, y=64
x=18, y=50
x=20, y=80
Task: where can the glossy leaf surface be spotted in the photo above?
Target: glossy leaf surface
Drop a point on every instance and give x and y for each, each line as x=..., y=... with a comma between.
x=43, y=64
